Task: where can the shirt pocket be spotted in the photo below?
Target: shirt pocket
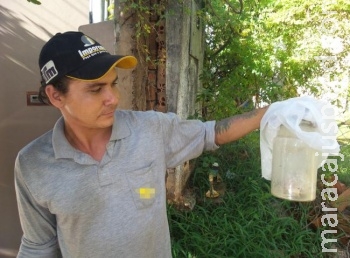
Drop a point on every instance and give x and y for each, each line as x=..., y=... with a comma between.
x=142, y=186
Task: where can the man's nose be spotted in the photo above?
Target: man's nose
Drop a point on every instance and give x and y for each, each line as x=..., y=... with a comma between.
x=111, y=96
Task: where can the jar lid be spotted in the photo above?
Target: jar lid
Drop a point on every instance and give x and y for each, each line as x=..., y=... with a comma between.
x=305, y=126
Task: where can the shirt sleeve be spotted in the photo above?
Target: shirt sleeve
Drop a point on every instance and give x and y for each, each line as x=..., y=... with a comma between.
x=38, y=224
x=185, y=139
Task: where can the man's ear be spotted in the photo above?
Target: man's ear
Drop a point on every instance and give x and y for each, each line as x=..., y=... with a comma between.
x=54, y=96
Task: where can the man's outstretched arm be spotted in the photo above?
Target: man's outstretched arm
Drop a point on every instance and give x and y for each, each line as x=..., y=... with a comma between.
x=235, y=127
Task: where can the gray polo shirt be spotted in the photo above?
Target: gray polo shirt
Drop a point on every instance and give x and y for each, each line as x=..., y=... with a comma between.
x=113, y=208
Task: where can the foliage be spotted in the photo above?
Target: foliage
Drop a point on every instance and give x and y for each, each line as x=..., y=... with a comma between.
x=273, y=50
x=34, y=2
x=148, y=20
x=263, y=51
x=342, y=167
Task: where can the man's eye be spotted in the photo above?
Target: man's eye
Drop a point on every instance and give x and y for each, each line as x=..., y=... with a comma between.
x=115, y=82
x=96, y=90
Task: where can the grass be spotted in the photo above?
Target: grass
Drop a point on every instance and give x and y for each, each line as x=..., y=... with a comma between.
x=344, y=165
x=248, y=221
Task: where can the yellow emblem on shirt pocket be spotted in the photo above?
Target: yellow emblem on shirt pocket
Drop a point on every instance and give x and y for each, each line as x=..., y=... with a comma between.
x=146, y=192
x=142, y=185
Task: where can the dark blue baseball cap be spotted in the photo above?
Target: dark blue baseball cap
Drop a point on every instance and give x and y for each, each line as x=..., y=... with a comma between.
x=78, y=56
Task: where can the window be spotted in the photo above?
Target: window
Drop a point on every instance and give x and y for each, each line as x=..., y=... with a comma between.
x=101, y=10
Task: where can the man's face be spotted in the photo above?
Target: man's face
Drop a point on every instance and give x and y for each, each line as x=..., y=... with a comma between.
x=91, y=104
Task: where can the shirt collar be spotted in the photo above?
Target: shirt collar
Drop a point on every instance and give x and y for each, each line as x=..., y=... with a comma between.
x=121, y=128
x=62, y=147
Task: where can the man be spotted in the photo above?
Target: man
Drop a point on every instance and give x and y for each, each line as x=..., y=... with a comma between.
x=94, y=186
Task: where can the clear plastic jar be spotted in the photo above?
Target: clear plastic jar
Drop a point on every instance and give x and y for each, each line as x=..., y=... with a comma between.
x=294, y=166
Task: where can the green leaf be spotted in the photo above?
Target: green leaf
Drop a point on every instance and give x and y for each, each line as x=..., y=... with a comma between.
x=34, y=2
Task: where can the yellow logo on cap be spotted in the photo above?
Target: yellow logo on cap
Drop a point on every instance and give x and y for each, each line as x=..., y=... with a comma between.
x=146, y=193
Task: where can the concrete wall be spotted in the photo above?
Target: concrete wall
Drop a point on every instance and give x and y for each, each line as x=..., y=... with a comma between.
x=184, y=62
x=185, y=48
x=24, y=29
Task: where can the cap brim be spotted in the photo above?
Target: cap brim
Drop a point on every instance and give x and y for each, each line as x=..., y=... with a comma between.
x=126, y=62
x=98, y=67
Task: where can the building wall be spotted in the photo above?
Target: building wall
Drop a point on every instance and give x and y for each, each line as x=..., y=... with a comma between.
x=24, y=29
